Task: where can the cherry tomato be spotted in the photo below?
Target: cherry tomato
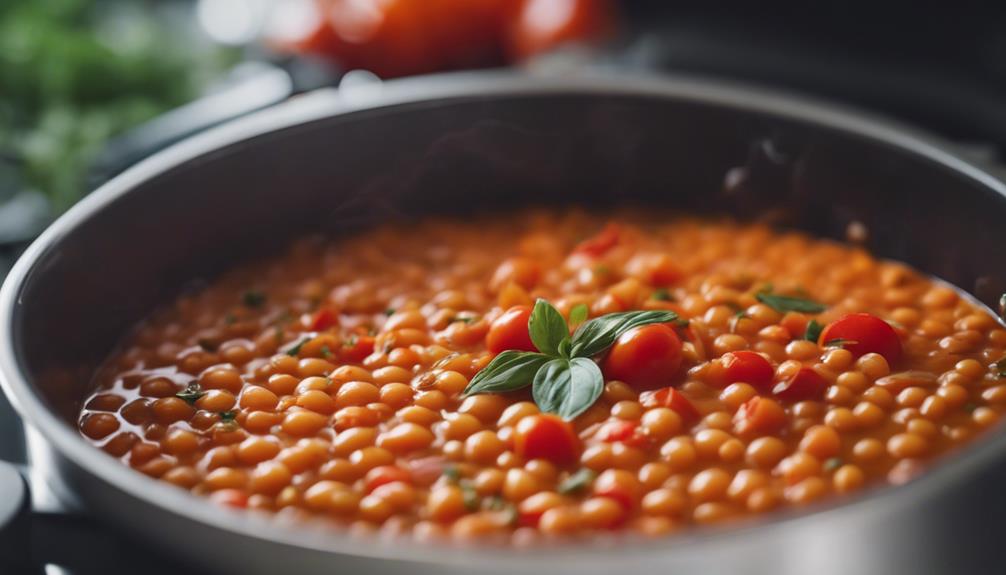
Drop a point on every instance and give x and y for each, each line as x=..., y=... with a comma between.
x=385, y=474
x=672, y=399
x=654, y=269
x=645, y=357
x=759, y=415
x=607, y=484
x=230, y=498
x=598, y=245
x=621, y=431
x=542, y=25
x=356, y=347
x=323, y=319
x=747, y=367
x=509, y=331
x=546, y=436
x=802, y=385
x=863, y=333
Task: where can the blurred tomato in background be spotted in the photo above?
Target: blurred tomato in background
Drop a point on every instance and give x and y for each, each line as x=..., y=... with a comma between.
x=401, y=37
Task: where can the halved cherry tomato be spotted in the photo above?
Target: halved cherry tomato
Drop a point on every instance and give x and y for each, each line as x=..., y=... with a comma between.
x=546, y=436
x=620, y=431
x=598, y=245
x=747, y=367
x=862, y=333
x=542, y=25
x=759, y=415
x=356, y=347
x=509, y=331
x=672, y=399
x=645, y=357
x=803, y=385
x=385, y=474
x=230, y=498
x=323, y=319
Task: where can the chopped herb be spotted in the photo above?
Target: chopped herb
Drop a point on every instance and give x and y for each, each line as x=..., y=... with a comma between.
x=661, y=294
x=191, y=393
x=351, y=341
x=839, y=343
x=325, y=352
x=576, y=482
x=736, y=319
x=970, y=406
x=832, y=463
x=784, y=303
x=813, y=332
x=452, y=473
x=207, y=345
x=389, y=312
x=469, y=496
x=497, y=503
x=253, y=298
x=295, y=349
x=1000, y=367
x=230, y=319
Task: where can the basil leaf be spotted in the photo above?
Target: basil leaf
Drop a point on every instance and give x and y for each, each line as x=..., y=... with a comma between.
x=813, y=332
x=547, y=327
x=507, y=371
x=567, y=387
x=598, y=334
x=578, y=314
x=785, y=303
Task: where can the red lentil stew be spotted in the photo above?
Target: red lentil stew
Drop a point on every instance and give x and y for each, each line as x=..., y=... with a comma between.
x=551, y=374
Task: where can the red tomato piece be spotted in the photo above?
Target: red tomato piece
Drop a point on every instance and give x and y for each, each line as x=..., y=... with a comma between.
x=672, y=399
x=759, y=415
x=803, y=385
x=385, y=474
x=509, y=331
x=323, y=319
x=598, y=245
x=747, y=367
x=620, y=431
x=356, y=348
x=645, y=357
x=230, y=497
x=862, y=333
x=546, y=436
x=607, y=485
x=426, y=470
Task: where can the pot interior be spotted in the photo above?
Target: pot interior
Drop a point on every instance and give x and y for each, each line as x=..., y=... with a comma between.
x=248, y=199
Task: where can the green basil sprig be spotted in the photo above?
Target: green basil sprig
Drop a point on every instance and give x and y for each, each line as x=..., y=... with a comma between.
x=564, y=377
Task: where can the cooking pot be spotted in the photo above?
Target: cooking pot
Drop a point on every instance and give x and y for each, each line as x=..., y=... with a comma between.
x=340, y=161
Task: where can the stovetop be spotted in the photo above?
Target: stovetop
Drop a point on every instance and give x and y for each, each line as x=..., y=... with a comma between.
x=948, y=78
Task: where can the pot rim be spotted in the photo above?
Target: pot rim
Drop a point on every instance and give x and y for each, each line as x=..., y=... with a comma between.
x=327, y=103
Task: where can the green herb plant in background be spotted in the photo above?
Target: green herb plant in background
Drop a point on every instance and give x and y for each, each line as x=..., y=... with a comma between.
x=74, y=73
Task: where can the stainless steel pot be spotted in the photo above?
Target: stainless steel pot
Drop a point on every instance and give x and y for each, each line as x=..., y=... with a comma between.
x=337, y=161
